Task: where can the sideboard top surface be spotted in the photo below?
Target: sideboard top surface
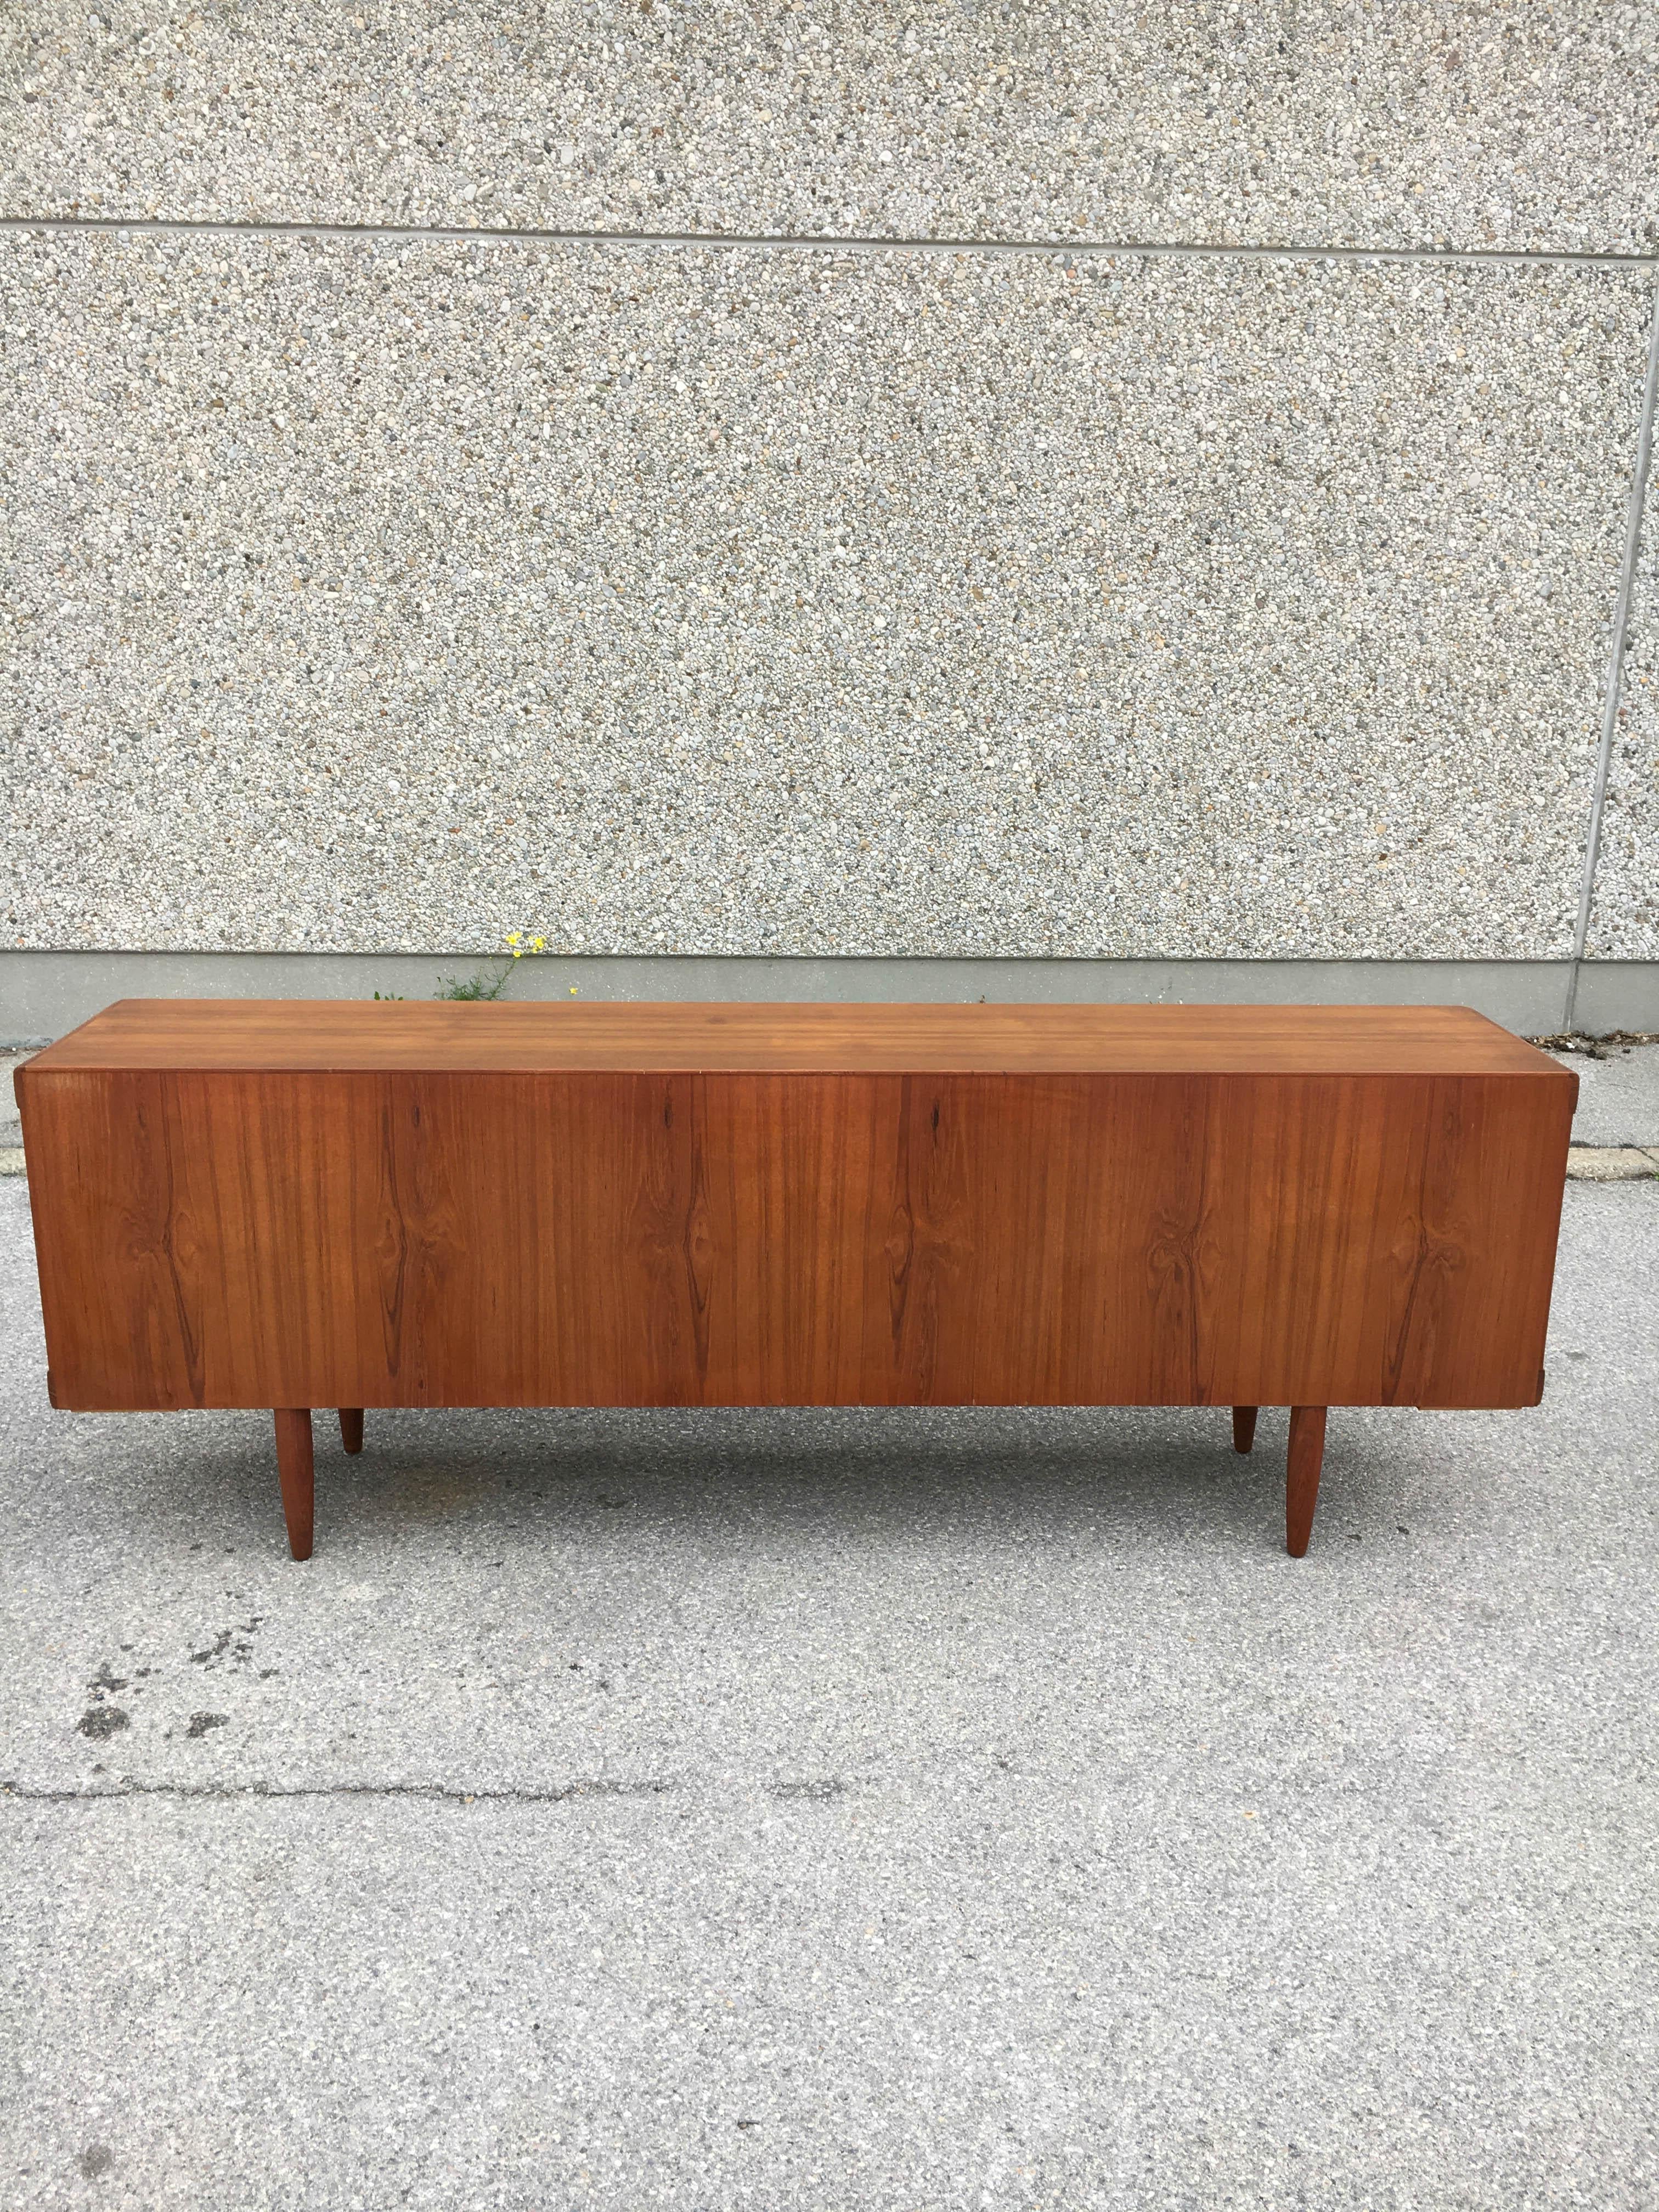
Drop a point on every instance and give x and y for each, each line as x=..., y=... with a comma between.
x=524, y=1036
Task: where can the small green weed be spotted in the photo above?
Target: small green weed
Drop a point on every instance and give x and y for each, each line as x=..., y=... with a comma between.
x=484, y=983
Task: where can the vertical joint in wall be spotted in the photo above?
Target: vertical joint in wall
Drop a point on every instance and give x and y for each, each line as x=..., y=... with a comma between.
x=1621, y=613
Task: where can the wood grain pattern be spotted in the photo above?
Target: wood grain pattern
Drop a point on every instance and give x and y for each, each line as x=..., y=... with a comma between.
x=247, y=1036
x=436, y=1235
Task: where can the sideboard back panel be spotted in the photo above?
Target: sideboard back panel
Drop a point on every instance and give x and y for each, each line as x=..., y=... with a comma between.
x=413, y=1236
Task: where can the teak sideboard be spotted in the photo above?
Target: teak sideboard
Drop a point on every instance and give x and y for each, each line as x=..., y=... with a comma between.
x=292, y=1203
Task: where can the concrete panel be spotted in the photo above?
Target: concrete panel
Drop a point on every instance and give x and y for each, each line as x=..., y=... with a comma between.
x=1624, y=916
x=382, y=595
x=1417, y=124
x=1617, y=994
x=43, y=995
x=49, y=994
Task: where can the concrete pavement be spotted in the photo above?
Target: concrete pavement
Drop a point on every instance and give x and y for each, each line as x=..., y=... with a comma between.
x=911, y=1811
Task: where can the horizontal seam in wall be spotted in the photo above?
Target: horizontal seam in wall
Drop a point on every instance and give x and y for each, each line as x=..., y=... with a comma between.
x=1380, y=960
x=1070, y=249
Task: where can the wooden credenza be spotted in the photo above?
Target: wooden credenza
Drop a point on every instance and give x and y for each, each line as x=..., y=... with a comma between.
x=292, y=1203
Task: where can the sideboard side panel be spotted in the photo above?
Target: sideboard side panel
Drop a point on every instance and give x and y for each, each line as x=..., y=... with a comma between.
x=120, y=1255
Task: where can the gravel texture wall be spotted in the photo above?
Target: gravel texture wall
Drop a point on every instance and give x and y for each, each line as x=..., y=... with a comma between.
x=736, y=602
x=1081, y=583
x=1355, y=123
x=1625, y=919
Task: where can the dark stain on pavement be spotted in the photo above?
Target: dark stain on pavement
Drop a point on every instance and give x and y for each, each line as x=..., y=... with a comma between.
x=201, y=1722
x=102, y=1722
x=231, y=1643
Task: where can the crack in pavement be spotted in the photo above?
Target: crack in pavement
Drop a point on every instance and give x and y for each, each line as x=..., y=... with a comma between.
x=437, y=1792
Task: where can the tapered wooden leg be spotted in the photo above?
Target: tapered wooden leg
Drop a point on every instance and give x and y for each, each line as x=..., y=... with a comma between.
x=1302, y=1475
x=294, y=1472
x=1243, y=1427
x=351, y=1427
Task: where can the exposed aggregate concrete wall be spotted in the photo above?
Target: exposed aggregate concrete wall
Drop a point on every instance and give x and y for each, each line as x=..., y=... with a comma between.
x=1625, y=919
x=1353, y=124
x=380, y=592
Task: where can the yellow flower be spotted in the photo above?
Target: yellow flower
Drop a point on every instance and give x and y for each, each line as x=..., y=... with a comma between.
x=512, y=936
x=538, y=945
